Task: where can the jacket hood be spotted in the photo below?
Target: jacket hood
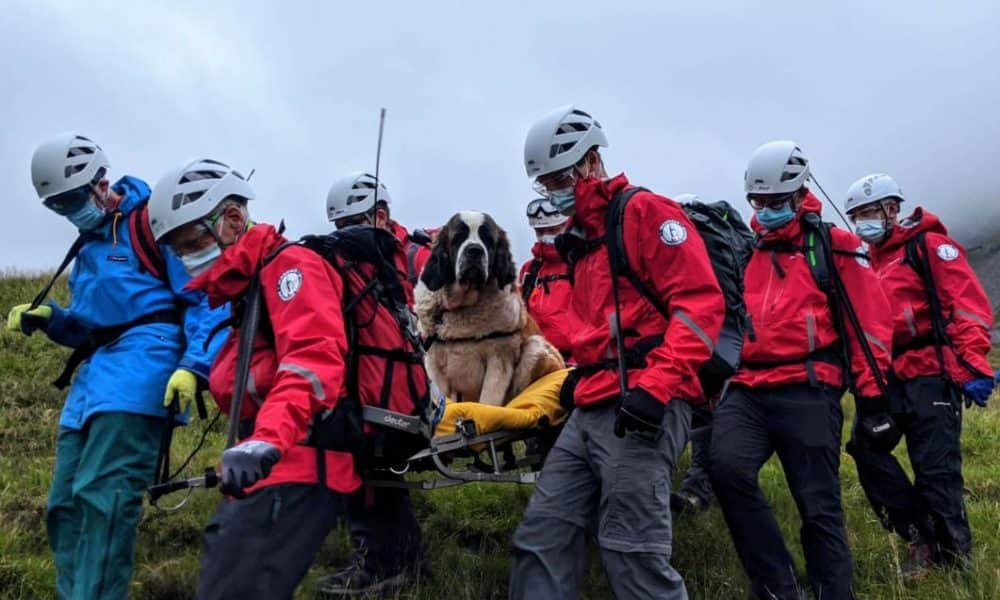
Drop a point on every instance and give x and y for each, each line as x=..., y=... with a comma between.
x=547, y=253
x=593, y=196
x=793, y=229
x=399, y=232
x=134, y=192
x=229, y=277
x=920, y=221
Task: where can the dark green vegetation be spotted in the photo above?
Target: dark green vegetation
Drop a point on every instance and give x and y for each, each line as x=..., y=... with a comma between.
x=467, y=529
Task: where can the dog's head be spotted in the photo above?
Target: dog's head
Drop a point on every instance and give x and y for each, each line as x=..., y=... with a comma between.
x=472, y=251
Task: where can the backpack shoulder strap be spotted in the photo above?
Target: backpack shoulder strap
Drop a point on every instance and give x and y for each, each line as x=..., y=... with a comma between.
x=531, y=278
x=614, y=237
x=144, y=244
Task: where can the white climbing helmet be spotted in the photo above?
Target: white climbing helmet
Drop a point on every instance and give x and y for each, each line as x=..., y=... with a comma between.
x=871, y=189
x=560, y=139
x=65, y=162
x=354, y=195
x=687, y=198
x=192, y=192
x=542, y=214
x=776, y=168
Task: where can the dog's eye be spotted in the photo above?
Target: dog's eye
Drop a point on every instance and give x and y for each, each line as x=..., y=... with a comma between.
x=461, y=234
x=486, y=234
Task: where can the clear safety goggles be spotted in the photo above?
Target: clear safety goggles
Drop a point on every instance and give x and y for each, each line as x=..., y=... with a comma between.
x=772, y=201
x=544, y=185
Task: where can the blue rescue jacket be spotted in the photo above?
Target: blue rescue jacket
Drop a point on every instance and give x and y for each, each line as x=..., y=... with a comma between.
x=108, y=288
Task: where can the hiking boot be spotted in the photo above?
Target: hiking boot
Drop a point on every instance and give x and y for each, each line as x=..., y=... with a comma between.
x=359, y=581
x=919, y=560
x=683, y=501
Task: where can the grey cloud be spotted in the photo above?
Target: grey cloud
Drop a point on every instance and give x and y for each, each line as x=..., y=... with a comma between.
x=685, y=92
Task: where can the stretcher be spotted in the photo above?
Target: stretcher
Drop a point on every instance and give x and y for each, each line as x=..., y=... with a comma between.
x=466, y=442
x=473, y=442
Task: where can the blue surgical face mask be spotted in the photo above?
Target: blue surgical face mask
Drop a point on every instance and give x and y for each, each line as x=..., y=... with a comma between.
x=198, y=262
x=563, y=200
x=88, y=217
x=870, y=230
x=773, y=218
x=548, y=238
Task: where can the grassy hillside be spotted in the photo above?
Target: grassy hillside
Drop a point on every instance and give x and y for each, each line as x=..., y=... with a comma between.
x=467, y=529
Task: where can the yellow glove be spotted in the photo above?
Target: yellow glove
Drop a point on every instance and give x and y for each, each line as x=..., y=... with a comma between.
x=184, y=387
x=37, y=318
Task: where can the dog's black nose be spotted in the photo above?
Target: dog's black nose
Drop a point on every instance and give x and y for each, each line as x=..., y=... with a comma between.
x=475, y=251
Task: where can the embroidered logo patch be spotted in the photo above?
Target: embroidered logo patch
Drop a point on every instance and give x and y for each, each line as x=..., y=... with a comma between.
x=862, y=260
x=947, y=252
x=673, y=233
x=289, y=284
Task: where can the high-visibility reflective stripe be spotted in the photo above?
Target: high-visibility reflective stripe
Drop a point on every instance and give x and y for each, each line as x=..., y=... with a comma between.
x=252, y=390
x=911, y=324
x=308, y=375
x=698, y=331
x=964, y=313
x=811, y=332
x=874, y=340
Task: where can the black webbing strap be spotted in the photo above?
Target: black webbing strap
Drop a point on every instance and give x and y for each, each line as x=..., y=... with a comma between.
x=106, y=335
x=72, y=253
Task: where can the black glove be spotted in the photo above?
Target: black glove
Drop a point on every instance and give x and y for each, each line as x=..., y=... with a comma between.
x=245, y=464
x=639, y=411
x=876, y=424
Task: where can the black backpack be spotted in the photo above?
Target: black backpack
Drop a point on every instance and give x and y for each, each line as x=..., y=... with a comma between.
x=729, y=243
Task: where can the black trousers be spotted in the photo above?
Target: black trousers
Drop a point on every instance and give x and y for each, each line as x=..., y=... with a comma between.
x=802, y=424
x=931, y=508
x=262, y=546
x=384, y=529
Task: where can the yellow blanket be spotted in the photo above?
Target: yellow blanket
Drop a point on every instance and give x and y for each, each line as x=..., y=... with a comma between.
x=538, y=400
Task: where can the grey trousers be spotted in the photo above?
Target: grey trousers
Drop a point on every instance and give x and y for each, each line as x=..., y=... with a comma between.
x=620, y=487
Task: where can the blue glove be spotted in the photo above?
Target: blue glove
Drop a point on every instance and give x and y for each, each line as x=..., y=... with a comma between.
x=245, y=464
x=978, y=391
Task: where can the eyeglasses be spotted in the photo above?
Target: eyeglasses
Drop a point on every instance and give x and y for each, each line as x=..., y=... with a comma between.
x=772, y=201
x=872, y=211
x=540, y=207
x=69, y=202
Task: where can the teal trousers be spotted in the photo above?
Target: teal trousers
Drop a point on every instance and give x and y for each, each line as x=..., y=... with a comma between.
x=95, y=502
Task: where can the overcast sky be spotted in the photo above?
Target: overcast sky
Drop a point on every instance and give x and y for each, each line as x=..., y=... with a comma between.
x=685, y=92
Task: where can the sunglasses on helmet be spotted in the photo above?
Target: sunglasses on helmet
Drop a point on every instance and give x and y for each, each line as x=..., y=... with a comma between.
x=70, y=201
x=540, y=207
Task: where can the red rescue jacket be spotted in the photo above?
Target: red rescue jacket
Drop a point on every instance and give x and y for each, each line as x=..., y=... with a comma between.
x=967, y=311
x=792, y=327
x=665, y=250
x=549, y=299
x=300, y=369
x=414, y=256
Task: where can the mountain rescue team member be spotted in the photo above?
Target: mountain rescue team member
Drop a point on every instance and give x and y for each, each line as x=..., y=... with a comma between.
x=785, y=397
x=351, y=200
x=384, y=531
x=612, y=463
x=925, y=401
x=695, y=493
x=140, y=338
x=545, y=282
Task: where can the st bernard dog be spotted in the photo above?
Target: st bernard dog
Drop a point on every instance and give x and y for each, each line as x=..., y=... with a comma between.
x=482, y=343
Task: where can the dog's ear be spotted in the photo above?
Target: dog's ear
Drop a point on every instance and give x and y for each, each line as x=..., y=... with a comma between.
x=439, y=271
x=502, y=263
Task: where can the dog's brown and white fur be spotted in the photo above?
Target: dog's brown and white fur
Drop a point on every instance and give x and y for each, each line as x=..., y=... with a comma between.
x=484, y=344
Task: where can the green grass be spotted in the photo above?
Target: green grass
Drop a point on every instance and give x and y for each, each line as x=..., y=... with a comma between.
x=467, y=529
